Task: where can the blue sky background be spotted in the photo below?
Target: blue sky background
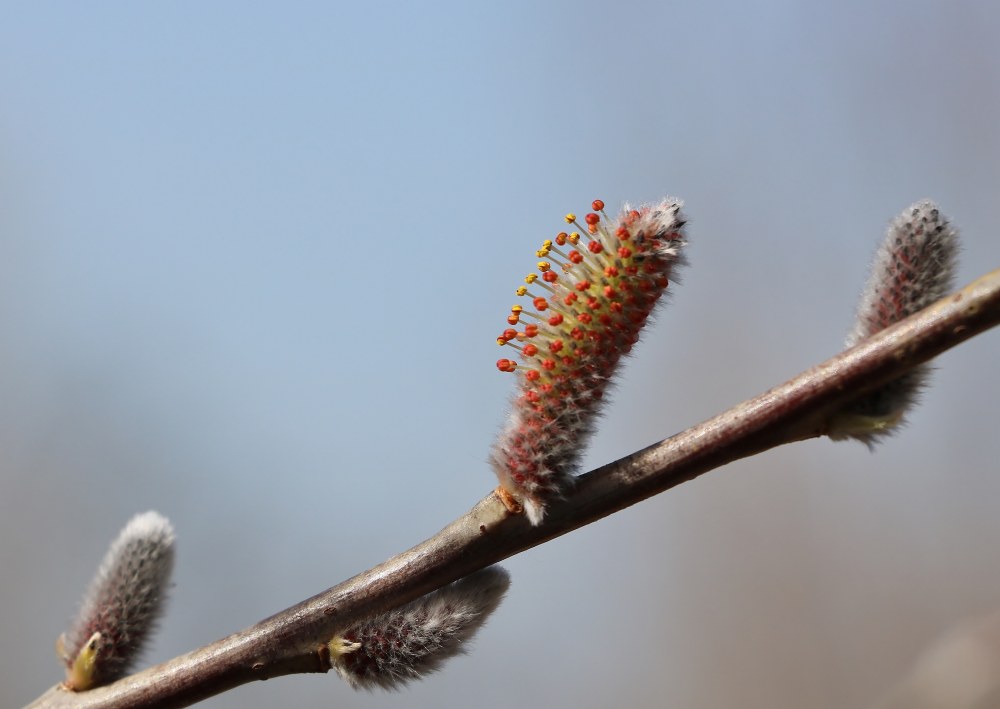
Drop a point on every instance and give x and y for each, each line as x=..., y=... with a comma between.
x=253, y=259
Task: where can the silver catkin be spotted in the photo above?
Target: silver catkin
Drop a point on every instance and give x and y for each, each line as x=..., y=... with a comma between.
x=913, y=267
x=414, y=640
x=122, y=605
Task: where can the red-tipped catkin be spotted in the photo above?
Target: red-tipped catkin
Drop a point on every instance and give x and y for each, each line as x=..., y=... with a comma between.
x=122, y=604
x=582, y=311
x=409, y=642
x=913, y=268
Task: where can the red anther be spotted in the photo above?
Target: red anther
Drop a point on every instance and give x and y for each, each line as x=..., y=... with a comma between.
x=549, y=364
x=570, y=298
x=540, y=303
x=634, y=214
x=624, y=252
x=513, y=319
x=592, y=218
x=556, y=319
x=575, y=256
x=605, y=319
x=561, y=238
x=531, y=396
x=597, y=205
x=582, y=285
x=662, y=282
x=610, y=271
x=616, y=307
x=577, y=333
x=609, y=292
x=509, y=334
x=585, y=318
x=593, y=303
x=631, y=270
x=532, y=375
x=546, y=388
x=592, y=228
x=530, y=350
x=506, y=365
x=595, y=247
x=555, y=345
x=550, y=276
x=622, y=233
x=530, y=330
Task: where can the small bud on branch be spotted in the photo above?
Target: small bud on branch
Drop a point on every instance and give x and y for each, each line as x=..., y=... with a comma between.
x=121, y=606
x=594, y=290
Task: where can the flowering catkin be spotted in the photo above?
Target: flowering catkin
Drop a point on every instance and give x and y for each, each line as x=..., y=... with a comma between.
x=594, y=290
x=913, y=268
x=406, y=643
x=122, y=604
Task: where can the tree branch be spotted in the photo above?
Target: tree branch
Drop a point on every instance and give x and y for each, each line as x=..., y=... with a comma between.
x=290, y=641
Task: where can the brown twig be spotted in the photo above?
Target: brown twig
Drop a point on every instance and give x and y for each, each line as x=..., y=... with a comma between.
x=288, y=642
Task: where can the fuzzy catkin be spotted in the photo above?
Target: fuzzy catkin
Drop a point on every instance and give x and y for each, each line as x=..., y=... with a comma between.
x=122, y=604
x=584, y=312
x=913, y=267
x=414, y=640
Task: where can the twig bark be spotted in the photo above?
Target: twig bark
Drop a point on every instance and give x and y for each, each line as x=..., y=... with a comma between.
x=290, y=641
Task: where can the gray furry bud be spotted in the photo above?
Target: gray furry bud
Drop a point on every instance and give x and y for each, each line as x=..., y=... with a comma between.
x=913, y=268
x=122, y=604
x=407, y=643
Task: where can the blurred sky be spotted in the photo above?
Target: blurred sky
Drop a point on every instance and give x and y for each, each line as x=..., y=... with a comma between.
x=254, y=256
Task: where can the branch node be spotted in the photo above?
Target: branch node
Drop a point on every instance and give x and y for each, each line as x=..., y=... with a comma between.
x=325, y=661
x=508, y=501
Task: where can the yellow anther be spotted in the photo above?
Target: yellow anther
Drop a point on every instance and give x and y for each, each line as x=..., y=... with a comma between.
x=501, y=341
x=544, y=266
x=547, y=244
x=570, y=218
x=542, y=253
x=521, y=290
x=516, y=309
x=574, y=237
x=531, y=278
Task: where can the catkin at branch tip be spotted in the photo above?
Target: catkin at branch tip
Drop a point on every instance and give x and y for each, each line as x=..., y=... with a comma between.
x=913, y=267
x=122, y=604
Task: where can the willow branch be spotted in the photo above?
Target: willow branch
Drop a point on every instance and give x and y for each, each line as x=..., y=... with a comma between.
x=290, y=641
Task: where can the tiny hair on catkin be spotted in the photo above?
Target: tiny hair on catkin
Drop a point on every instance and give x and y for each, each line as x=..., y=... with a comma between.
x=595, y=288
x=416, y=639
x=913, y=267
x=121, y=606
